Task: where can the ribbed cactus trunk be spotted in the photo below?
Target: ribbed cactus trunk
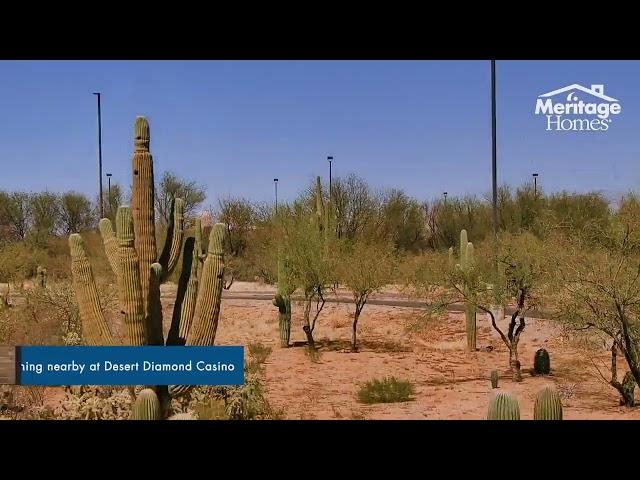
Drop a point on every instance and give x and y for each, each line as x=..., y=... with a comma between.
x=548, y=405
x=467, y=262
x=95, y=329
x=282, y=300
x=147, y=406
x=503, y=406
x=207, y=310
x=129, y=282
x=142, y=198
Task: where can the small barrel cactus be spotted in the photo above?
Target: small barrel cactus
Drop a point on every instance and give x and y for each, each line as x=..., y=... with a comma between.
x=494, y=379
x=503, y=406
x=541, y=362
x=182, y=416
x=548, y=405
x=146, y=406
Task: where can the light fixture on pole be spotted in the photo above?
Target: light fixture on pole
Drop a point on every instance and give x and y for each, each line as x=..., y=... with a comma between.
x=445, y=197
x=535, y=185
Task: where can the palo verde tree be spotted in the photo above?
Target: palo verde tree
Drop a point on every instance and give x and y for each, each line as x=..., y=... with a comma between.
x=596, y=288
x=307, y=241
x=518, y=278
x=364, y=267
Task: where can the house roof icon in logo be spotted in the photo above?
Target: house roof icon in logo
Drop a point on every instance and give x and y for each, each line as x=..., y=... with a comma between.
x=595, y=90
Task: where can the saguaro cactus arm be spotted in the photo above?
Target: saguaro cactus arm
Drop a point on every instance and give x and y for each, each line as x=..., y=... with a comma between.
x=110, y=244
x=173, y=243
x=154, y=316
x=207, y=310
x=129, y=281
x=95, y=329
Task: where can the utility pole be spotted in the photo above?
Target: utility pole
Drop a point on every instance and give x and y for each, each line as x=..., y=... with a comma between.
x=494, y=178
x=100, y=153
x=275, y=181
x=330, y=159
x=109, y=193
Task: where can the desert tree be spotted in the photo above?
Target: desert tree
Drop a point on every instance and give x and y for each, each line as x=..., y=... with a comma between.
x=76, y=213
x=170, y=187
x=15, y=213
x=46, y=215
x=402, y=220
x=113, y=198
x=311, y=258
x=596, y=288
x=517, y=279
x=364, y=267
x=240, y=217
x=355, y=206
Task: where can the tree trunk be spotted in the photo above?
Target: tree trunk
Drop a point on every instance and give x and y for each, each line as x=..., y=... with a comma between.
x=354, y=346
x=627, y=392
x=514, y=365
x=307, y=327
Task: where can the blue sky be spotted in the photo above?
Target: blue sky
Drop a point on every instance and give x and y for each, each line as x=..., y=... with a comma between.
x=233, y=126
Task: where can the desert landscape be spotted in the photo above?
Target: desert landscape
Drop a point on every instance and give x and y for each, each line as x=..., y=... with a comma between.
x=350, y=303
x=450, y=382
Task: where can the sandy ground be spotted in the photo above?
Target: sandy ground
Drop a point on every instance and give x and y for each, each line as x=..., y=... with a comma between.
x=449, y=381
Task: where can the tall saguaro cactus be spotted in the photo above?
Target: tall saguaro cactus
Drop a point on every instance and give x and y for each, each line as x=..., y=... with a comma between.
x=466, y=263
x=282, y=300
x=132, y=254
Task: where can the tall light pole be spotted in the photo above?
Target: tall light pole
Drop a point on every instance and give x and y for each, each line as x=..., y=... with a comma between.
x=330, y=159
x=494, y=179
x=100, y=153
x=275, y=181
x=109, y=192
x=445, y=197
x=535, y=185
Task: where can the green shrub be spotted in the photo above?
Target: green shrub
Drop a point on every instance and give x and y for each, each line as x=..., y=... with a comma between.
x=386, y=390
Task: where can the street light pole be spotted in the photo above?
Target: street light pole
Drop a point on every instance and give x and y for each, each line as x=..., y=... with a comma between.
x=109, y=192
x=494, y=179
x=535, y=185
x=100, y=153
x=330, y=159
x=445, y=197
x=275, y=181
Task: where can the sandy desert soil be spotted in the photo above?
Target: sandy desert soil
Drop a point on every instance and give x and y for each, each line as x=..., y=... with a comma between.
x=450, y=382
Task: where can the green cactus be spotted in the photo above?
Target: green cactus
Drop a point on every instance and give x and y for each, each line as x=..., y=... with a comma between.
x=494, y=379
x=146, y=406
x=466, y=263
x=282, y=300
x=110, y=244
x=503, y=406
x=541, y=362
x=132, y=252
x=548, y=405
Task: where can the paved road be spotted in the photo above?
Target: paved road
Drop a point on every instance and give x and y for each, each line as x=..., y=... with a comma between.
x=389, y=302
x=456, y=307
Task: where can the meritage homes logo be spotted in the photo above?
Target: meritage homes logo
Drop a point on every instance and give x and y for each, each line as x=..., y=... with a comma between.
x=572, y=113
